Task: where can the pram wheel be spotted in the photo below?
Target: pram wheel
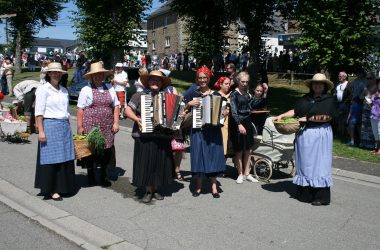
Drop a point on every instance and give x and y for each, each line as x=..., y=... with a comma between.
x=262, y=168
x=286, y=167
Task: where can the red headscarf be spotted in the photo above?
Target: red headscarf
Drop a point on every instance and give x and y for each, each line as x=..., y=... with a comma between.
x=219, y=82
x=206, y=71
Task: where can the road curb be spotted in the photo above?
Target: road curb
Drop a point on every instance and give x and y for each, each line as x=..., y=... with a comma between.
x=356, y=176
x=76, y=230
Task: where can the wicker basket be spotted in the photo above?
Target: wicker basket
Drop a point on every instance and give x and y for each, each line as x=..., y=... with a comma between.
x=82, y=149
x=287, y=128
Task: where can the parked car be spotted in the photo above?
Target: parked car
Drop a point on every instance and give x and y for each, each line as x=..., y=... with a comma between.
x=133, y=76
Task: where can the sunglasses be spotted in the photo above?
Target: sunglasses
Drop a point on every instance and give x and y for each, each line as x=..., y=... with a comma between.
x=369, y=78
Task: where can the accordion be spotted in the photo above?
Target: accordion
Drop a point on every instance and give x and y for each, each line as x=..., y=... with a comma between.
x=210, y=111
x=160, y=113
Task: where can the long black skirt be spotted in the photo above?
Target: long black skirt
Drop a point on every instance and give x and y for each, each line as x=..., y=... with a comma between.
x=55, y=178
x=241, y=142
x=309, y=194
x=152, y=162
x=108, y=159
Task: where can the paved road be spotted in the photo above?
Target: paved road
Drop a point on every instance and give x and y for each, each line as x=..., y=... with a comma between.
x=248, y=216
x=20, y=232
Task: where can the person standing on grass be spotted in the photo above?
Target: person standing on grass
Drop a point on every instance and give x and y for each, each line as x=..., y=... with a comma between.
x=353, y=120
x=8, y=72
x=55, y=174
x=375, y=118
x=313, y=143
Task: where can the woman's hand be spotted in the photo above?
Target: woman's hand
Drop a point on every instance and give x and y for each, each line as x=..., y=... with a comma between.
x=115, y=127
x=42, y=137
x=277, y=118
x=226, y=112
x=139, y=123
x=182, y=115
x=242, y=130
x=320, y=118
x=302, y=119
x=265, y=87
x=80, y=130
x=194, y=103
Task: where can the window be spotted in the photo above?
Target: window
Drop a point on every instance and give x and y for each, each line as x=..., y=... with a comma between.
x=153, y=45
x=165, y=21
x=153, y=25
x=167, y=41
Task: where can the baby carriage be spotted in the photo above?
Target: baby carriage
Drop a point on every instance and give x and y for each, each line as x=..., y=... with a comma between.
x=272, y=150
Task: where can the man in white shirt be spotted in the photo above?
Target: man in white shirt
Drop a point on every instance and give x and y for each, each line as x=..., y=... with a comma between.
x=343, y=94
x=120, y=83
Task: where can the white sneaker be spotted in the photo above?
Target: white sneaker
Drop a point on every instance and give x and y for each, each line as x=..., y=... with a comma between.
x=251, y=178
x=240, y=179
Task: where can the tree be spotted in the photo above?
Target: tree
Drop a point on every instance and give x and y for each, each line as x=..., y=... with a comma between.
x=106, y=26
x=209, y=20
x=259, y=17
x=338, y=34
x=31, y=17
x=205, y=26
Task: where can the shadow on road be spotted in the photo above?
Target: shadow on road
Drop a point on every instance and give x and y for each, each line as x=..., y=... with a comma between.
x=281, y=186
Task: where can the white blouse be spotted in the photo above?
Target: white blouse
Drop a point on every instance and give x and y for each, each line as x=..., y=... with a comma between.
x=85, y=96
x=52, y=103
x=121, y=77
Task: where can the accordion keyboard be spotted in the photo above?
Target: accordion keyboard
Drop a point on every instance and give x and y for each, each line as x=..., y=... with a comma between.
x=146, y=114
x=197, y=115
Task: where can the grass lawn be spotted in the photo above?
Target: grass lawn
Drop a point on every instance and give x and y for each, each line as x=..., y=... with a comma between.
x=34, y=76
x=282, y=97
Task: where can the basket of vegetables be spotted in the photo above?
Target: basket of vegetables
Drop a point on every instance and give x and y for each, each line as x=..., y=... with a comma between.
x=287, y=125
x=89, y=144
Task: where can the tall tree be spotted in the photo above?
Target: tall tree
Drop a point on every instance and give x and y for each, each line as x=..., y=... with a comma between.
x=209, y=20
x=31, y=17
x=338, y=34
x=205, y=25
x=106, y=26
x=259, y=17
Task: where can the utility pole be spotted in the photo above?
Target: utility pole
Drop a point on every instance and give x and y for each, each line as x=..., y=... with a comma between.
x=5, y=16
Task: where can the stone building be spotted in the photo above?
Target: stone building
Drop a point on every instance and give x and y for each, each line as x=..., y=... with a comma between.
x=166, y=33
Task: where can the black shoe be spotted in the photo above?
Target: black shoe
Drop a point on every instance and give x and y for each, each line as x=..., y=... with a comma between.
x=158, y=196
x=319, y=203
x=216, y=195
x=106, y=183
x=147, y=198
x=196, y=194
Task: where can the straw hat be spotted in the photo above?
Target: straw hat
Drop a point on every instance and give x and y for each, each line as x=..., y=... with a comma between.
x=319, y=78
x=55, y=66
x=145, y=78
x=97, y=68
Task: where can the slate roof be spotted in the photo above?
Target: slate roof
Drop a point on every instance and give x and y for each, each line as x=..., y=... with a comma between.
x=53, y=42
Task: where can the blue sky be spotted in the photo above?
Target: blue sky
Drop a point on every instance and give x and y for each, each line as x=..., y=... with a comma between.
x=62, y=28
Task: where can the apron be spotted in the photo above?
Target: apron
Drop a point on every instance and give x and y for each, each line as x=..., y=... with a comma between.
x=100, y=114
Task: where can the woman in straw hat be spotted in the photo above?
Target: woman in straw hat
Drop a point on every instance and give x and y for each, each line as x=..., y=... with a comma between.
x=153, y=157
x=55, y=173
x=313, y=147
x=98, y=106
